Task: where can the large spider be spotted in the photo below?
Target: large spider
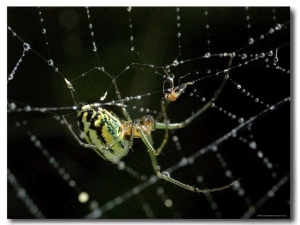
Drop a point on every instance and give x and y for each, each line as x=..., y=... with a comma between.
x=112, y=138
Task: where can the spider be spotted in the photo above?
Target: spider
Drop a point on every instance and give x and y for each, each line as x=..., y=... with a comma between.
x=111, y=137
x=175, y=92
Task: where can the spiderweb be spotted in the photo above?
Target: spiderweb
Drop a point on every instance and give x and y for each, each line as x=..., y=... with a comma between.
x=244, y=135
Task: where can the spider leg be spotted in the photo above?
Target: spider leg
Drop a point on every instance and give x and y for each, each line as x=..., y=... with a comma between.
x=200, y=111
x=165, y=140
x=146, y=138
x=118, y=93
x=96, y=148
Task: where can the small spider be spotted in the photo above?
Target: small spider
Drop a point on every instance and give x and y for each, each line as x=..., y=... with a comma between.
x=175, y=92
x=112, y=138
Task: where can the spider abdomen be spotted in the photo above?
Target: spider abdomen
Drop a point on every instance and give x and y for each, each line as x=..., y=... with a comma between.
x=103, y=130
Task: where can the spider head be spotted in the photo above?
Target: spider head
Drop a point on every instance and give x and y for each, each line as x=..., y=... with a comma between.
x=147, y=124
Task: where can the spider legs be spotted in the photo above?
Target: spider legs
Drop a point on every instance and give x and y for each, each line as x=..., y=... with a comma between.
x=200, y=111
x=96, y=148
x=146, y=138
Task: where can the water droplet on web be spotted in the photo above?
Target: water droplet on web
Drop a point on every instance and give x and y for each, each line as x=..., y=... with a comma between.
x=250, y=41
x=44, y=31
x=166, y=173
x=178, y=34
x=175, y=63
x=253, y=145
x=27, y=108
x=278, y=26
x=50, y=62
x=131, y=38
x=239, y=86
x=203, y=99
x=14, y=34
x=271, y=193
x=207, y=55
x=168, y=203
x=228, y=173
x=275, y=59
x=270, y=53
x=12, y=105
x=271, y=31
x=241, y=120
x=260, y=154
x=83, y=197
x=26, y=46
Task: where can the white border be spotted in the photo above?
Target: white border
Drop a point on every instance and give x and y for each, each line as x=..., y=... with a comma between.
x=3, y=53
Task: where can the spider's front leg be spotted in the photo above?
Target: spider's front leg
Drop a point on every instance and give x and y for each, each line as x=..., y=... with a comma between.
x=146, y=138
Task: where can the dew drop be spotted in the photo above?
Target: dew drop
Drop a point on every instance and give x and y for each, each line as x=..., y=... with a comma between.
x=253, y=145
x=50, y=62
x=26, y=47
x=83, y=197
x=44, y=31
x=175, y=63
x=278, y=26
x=178, y=35
x=260, y=154
x=271, y=193
x=207, y=55
x=250, y=41
x=228, y=173
x=275, y=59
x=239, y=86
x=175, y=138
x=12, y=105
x=27, y=108
x=165, y=173
x=168, y=203
x=270, y=53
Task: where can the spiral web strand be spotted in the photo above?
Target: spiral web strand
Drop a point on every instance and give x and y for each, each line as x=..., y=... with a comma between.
x=126, y=59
